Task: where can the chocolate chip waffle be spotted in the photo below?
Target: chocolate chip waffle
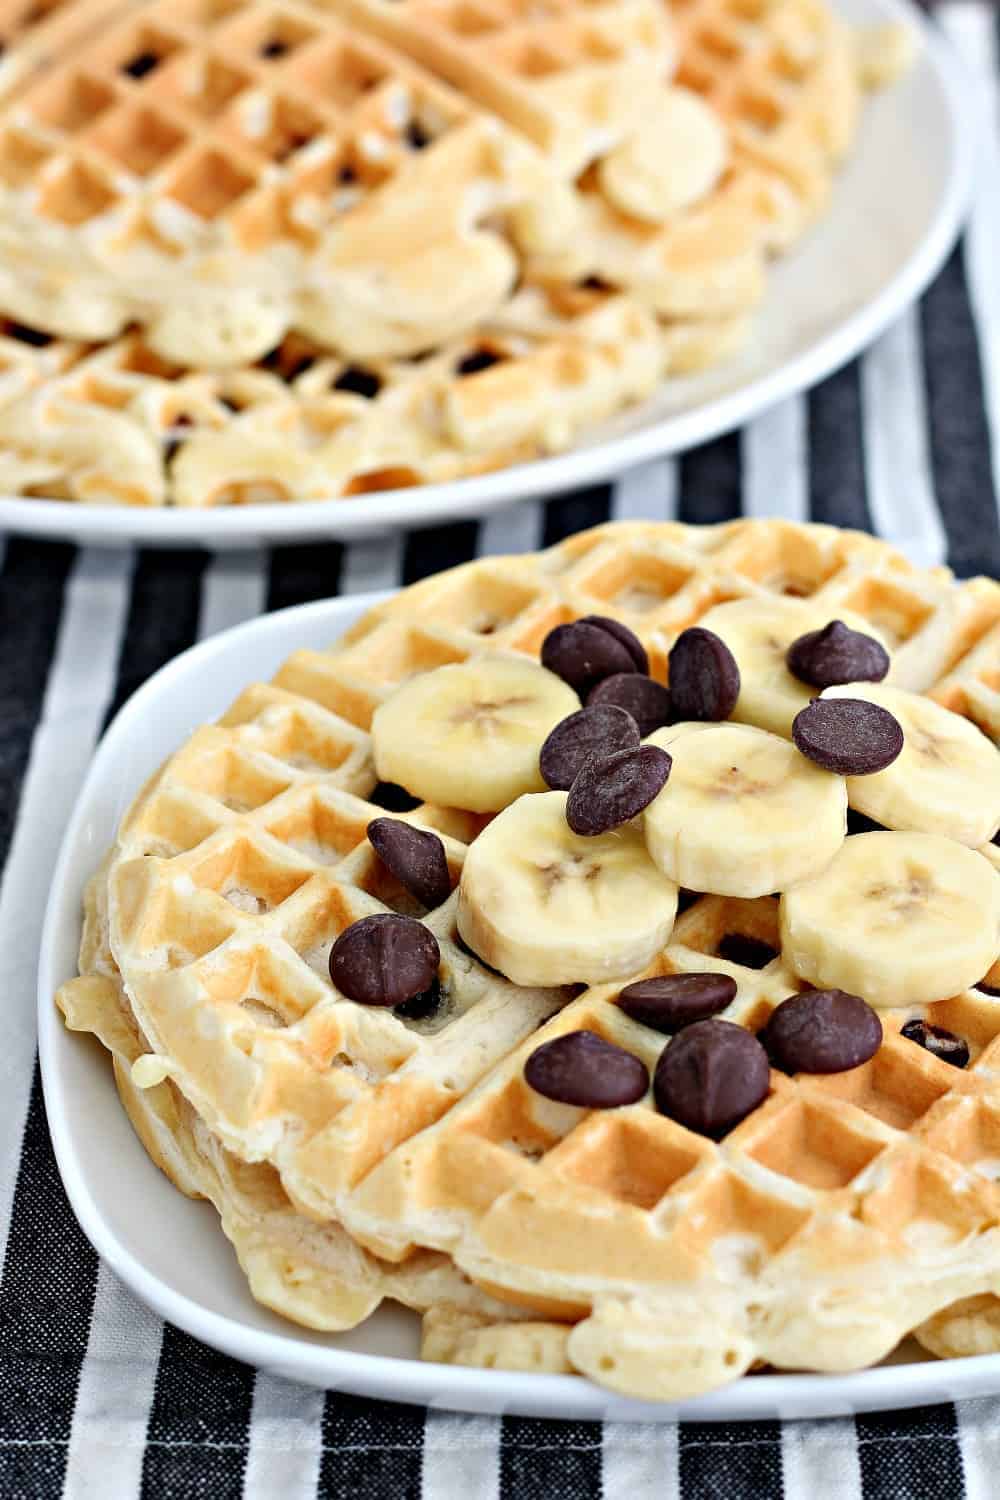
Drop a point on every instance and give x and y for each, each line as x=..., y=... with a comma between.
x=121, y=425
x=673, y=1256
x=223, y=174
x=785, y=81
x=312, y=1273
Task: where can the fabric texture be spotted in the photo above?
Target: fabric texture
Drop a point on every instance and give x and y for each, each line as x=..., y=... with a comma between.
x=100, y=1401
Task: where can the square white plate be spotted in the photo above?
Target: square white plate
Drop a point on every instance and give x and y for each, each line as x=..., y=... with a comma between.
x=172, y=1252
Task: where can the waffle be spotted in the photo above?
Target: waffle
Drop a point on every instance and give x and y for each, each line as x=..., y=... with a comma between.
x=120, y=425
x=785, y=77
x=223, y=173
x=313, y=1274
x=245, y=857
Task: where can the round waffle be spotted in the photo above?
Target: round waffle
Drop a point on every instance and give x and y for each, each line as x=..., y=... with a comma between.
x=223, y=173
x=677, y=1258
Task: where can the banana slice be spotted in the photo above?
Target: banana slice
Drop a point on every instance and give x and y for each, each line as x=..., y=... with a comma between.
x=674, y=160
x=468, y=735
x=743, y=813
x=945, y=780
x=546, y=907
x=759, y=632
x=897, y=918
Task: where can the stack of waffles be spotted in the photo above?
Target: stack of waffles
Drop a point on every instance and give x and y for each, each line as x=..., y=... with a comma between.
x=294, y=249
x=356, y=1151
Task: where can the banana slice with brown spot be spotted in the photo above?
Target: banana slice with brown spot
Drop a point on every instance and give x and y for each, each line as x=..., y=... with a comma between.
x=897, y=918
x=743, y=813
x=945, y=780
x=468, y=734
x=546, y=906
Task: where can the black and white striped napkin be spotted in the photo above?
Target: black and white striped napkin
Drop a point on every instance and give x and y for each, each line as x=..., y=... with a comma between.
x=98, y=1399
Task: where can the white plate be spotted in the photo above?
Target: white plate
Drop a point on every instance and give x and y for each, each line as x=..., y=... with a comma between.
x=172, y=1252
x=895, y=215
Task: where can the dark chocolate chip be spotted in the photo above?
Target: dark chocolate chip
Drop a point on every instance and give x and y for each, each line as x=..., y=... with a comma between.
x=582, y=1068
x=612, y=791
x=848, y=735
x=588, y=650
x=748, y=952
x=274, y=48
x=415, y=856
x=588, y=734
x=141, y=64
x=384, y=960
x=26, y=335
x=477, y=361
x=621, y=632
x=996, y=837
x=393, y=798
x=422, y=1006
x=647, y=701
x=416, y=136
x=822, y=1031
x=677, y=1000
x=835, y=655
x=938, y=1042
x=704, y=677
x=358, y=382
x=711, y=1076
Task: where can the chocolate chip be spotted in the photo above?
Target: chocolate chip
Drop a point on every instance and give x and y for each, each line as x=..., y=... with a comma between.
x=835, y=655
x=141, y=64
x=711, y=1076
x=987, y=989
x=938, y=1042
x=393, y=798
x=417, y=136
x=588, y=650
x=822, y=1031
x=582, y=1068
x=704, y=677
x=422, y=1006
x=384, y=959
x=847, y=735
x=677, y=1000
x=274, y=48
x=415, y=856
x=26, y=335
x=610, y=792
x=647, y=701
x=588, y=734
x=358, y=382
x=477, y=361
x=748, y=952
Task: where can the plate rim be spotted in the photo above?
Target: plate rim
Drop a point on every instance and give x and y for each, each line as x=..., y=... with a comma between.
x=340, y=519
x=396, y=1378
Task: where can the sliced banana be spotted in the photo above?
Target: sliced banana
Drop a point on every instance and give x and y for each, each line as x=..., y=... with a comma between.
x=945, y=780
x=759, y=632
x=897, y=918
x=545, y=906
x=743, y=813
x=468, y=735
x=675, y=159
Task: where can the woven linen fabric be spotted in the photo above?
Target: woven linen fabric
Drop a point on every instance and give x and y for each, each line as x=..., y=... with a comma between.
x=98, y=1399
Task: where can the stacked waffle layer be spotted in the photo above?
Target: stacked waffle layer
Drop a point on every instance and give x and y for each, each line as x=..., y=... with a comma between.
x=357, y=1151
x=310, y=248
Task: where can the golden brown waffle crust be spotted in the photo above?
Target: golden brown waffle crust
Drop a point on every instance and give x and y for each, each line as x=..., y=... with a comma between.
x=842, y=1213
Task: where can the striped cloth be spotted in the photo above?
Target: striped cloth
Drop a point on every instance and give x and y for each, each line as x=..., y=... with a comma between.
x=98, y=1399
